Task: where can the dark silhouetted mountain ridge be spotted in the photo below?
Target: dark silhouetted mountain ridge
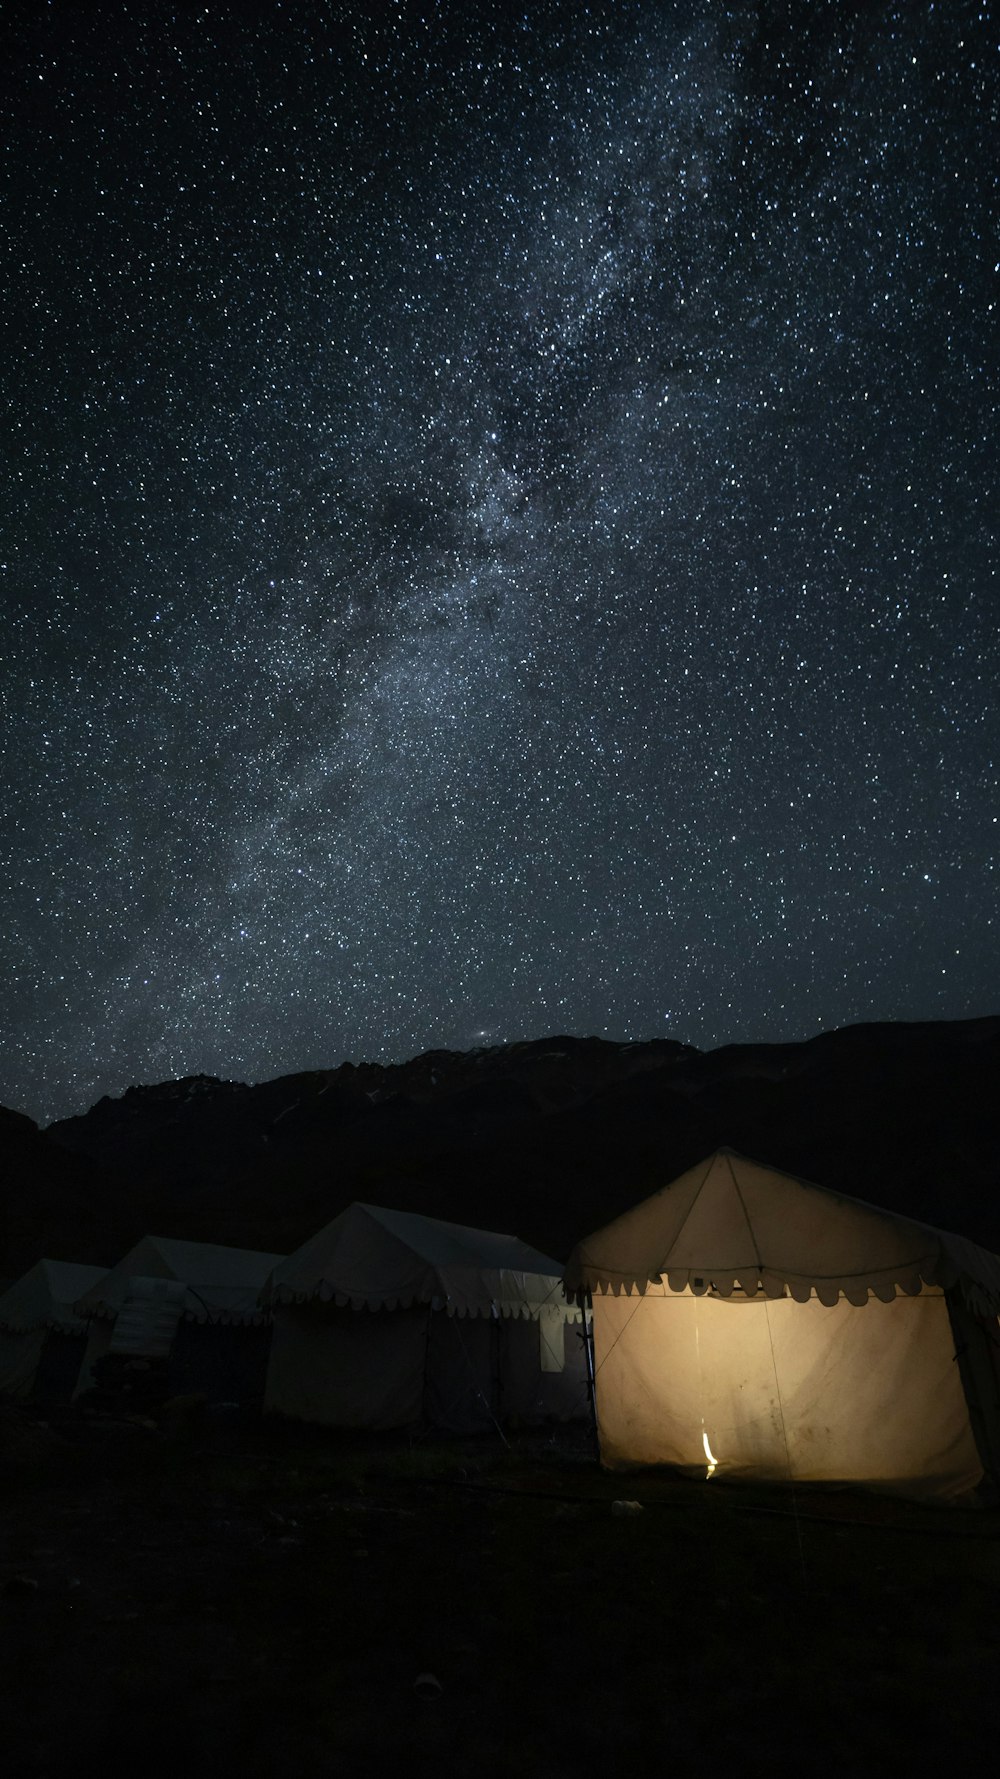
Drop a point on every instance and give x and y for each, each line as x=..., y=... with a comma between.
x=552, y=1138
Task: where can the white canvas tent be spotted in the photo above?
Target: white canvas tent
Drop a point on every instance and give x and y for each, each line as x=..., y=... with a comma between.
x=389, y=1319
x=41, y=1337
x=746, y=1323
x=194, y=1304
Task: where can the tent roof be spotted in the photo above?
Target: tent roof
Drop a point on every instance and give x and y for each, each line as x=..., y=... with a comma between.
x=732, y=1224
x=372, y=1258
x=45, y=1296
x=223, y=1283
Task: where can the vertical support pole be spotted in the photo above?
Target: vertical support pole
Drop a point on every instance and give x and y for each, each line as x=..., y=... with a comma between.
x=496, y=1365
x=586, y=1303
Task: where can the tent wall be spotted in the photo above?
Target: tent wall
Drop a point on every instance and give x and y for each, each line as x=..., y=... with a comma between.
x=782, y=1390
x=59, y=1365
x=19, y=1359
x=99, y=1335
x=977, y=1348
x=533, y=1386
x=227, y=1362
x=399, y=1368
x=348, y=1368
x=462, y=1379
x=43, y=1364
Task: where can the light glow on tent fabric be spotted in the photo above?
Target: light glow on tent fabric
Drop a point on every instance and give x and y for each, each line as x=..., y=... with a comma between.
x=821, y=1351
x=709, y=1454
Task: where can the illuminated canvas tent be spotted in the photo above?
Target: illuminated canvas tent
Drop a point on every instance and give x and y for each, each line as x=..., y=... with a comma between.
x=191, y=1303
x=389, y=1319
x=749, y=1324
x=42, y=1338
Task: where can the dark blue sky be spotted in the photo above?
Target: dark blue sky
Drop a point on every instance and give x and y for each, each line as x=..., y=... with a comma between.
x=498, y=529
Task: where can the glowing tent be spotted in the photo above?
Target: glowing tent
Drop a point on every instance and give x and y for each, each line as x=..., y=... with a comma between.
x=749, y=1324
x=41, y=1337
x=193, y=1304
x=389, y=1319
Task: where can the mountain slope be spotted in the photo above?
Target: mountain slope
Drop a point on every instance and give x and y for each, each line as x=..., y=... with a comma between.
x=552, y=1138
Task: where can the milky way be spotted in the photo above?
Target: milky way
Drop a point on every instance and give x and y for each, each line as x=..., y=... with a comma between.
x=497, y=529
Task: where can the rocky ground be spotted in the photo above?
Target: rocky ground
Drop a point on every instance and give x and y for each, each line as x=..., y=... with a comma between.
x=213, y=1597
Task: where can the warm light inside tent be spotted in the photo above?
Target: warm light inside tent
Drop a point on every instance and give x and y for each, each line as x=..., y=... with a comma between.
x=773, y=1389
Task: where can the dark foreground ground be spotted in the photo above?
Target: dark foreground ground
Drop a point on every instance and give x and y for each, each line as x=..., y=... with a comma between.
x=260, y=1601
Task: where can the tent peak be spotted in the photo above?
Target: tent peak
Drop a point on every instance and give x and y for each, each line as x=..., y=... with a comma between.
x=730, y=1223
x=372, y=1257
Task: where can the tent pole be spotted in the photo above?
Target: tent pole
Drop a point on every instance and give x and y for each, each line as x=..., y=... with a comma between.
x=586, y=1301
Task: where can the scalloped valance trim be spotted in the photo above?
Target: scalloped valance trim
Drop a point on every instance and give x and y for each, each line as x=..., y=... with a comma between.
x=227, y=1318
x=50, y=1324
x=463, y=1308
x=652, y=1232
x=255, y=1318
x=750, y=1282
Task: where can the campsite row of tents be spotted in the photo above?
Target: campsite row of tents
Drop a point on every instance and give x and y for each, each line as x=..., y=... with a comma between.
x=384, y=1319
x=739, y=1323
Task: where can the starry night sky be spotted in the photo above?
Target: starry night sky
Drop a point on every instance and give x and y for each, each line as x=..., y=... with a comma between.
x=497, y=529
